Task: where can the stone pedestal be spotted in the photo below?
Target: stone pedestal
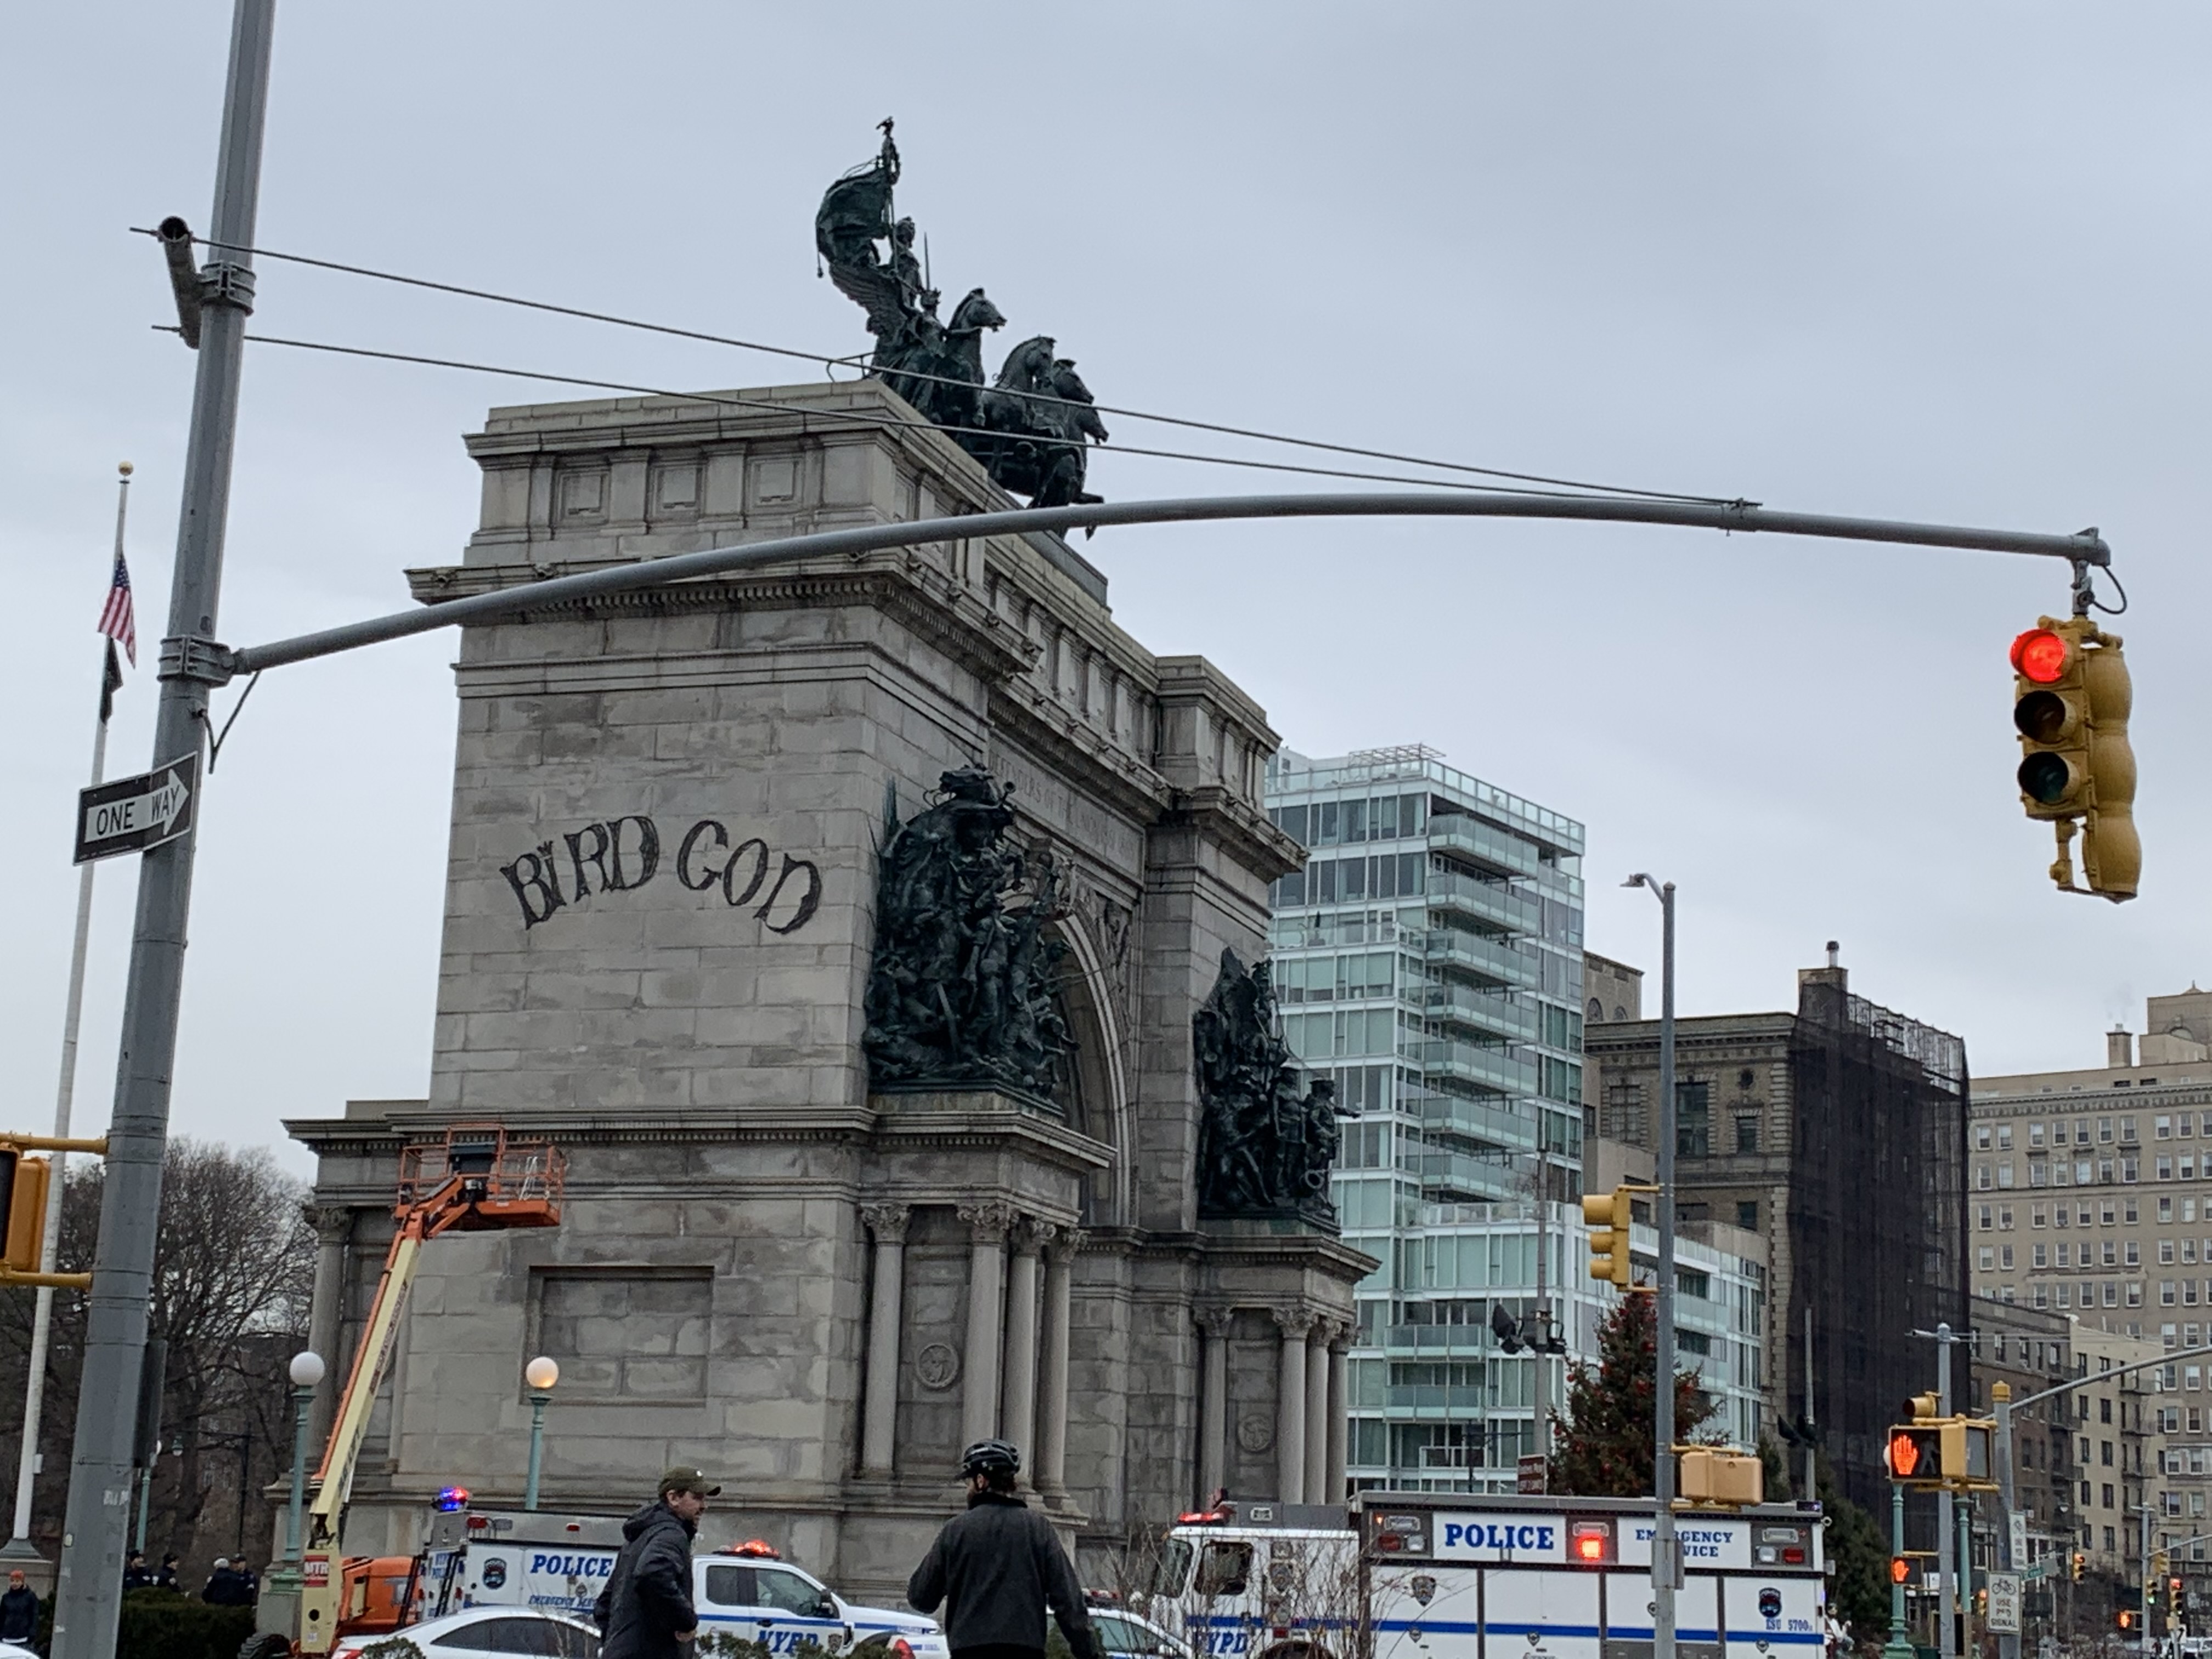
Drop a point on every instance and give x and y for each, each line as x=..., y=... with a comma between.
x=667, y=812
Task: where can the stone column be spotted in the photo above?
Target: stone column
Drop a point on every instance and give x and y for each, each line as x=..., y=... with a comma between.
x=987, y=1305
x=1339, y=1413
x=1316, y=1480
x=325, y=1316
x=1018, y=1416
x=879, y=1407
x=1213, y=1404
x=1052, y=1402
x=1290, y=1406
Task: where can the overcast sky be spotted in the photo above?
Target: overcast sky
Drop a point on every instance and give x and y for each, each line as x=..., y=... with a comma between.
x=1904, y=261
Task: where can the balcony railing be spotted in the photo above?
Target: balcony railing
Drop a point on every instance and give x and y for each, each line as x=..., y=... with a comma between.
x=1483, y=844
x=1494, y=1011
x=1488, y=960
x=1484, y=1069
x=1486, y=901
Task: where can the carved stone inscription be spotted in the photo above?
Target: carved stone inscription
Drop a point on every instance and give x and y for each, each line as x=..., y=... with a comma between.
x=621, y=855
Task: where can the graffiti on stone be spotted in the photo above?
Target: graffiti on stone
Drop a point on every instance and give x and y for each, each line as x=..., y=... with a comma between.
x=621, y=855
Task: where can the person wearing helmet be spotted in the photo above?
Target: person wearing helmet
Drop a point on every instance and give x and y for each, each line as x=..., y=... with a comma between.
x=999, y=1568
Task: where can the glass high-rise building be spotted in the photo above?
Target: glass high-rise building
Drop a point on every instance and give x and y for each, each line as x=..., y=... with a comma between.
x=1429, y=959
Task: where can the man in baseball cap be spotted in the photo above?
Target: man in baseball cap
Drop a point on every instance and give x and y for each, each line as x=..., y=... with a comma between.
x=645, y=1612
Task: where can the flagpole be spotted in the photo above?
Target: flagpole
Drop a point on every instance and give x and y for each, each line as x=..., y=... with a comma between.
x=19, y=1544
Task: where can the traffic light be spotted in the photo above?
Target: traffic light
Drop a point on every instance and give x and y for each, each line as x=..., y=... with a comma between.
x=1607, y=1216
x=1721, y=1475
x=2071, y=699
x=2080, y=1566
x=2127, y=1618
x=2173, y=1594
x=2158, y=1563
x=1947, y=1451
x=23, y=1182
x=1901, y=1570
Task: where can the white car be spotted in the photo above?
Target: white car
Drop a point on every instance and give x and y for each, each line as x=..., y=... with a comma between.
x=486, y=1633
x=750, y=1591
x=1126, y=1635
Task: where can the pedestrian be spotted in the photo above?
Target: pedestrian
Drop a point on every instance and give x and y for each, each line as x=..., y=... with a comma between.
x=167, y=1578
x=19, y=1608
x=999, y=1568
x=227, y=1587
x=644, y=1612
x=136, y=1574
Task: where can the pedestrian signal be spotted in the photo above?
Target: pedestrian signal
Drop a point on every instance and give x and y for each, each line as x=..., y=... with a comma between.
x=1901, y=1570
x=1947, y=1451
x=2071, y=699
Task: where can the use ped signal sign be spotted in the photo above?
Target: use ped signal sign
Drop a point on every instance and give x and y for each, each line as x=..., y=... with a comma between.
x=132, y=814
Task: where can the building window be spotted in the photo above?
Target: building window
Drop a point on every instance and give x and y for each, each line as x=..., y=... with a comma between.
x=1746, y=1215
x=1984, y=1177
x=2131, y=1169
x=2040, y=1257
x=2134, y=1293
x=2160, y=1129
x=2165, y=1170
x=1987, y=1261
x=2165, y=1300
x=1747, y=1133
x=2133, y=1254
x=2040, y=1216
x=2127, y=1129
x=2005, y=1257
x=1693, y=1133
x=2004, y=1174
x=2004, y=1217
x=2004, y=1137
x=1982, y=1218
x=1982, y=1138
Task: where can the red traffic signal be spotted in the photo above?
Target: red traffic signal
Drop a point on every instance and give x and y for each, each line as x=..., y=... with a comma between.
x=1901, y=1570
x=2040, y=655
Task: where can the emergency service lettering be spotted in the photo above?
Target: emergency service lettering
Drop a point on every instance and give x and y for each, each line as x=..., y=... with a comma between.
x=573, y=1566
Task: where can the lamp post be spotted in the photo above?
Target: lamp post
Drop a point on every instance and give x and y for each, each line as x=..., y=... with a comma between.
x=307, y=1372
x=541, y=1374
x=1666, y=1553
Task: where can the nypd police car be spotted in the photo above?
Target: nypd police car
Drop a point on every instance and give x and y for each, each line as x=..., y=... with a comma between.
x=749, y=1590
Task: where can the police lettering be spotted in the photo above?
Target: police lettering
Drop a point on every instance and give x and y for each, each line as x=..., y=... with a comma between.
x=1490, y=1536
x=573, y=1566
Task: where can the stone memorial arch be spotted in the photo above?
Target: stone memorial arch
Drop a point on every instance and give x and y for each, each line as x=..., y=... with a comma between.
x=670, y=816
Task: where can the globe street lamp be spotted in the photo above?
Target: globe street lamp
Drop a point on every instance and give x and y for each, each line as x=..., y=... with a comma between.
x=541, y=1374
x=307, y=1371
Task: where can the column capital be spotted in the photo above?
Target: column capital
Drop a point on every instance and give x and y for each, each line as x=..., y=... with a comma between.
x=1214, y=1321
x=1339, y=1334
x=333, y=1222
x=988, y=1223
x=888, y=1222
x=1031, y=1236
x=1296, y=1323
x=1069, y=1243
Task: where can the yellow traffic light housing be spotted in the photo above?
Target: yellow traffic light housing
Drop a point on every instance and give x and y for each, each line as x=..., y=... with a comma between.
x=1931, y=1451
x=1608, y=1216
x=23, y=1184
x=2080, y=1566
x=2071, y=699
x=1724, y=1477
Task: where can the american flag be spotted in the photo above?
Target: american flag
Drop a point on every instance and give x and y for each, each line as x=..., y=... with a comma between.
x=116, y=619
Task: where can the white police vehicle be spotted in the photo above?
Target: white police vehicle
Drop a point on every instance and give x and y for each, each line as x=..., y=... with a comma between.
x=561, y=1563
x=1432, y=1575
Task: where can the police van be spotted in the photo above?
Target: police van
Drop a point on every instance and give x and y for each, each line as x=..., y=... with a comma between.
x=560, y=1563
x=1432, y=1576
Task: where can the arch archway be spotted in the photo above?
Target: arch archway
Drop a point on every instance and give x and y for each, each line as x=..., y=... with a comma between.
x=1098, y=1101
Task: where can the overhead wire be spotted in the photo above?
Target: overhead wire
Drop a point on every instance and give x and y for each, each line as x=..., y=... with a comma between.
x=854, y=420
x=832, y=363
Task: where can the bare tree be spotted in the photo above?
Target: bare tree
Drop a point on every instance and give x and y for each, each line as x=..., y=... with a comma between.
x=233, y=1269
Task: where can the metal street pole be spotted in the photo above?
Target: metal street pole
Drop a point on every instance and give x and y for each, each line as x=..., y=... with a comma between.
x=307, y=1372
x=1899, y=1645
x=88, y=1594
x=1945, y=1568
x=1665, y=1552
x=2000, y=1397
x=18, y=1546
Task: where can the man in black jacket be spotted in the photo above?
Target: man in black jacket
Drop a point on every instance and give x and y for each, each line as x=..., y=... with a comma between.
x=644, y=1612
x=19, y=1610
x=997, y=1568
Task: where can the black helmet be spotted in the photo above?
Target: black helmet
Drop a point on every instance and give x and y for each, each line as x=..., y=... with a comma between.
x=990, y=1457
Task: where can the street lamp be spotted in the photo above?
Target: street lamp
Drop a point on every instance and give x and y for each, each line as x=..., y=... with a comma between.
x=541, y=1374
x=307, y=1371
x=1666, y=1553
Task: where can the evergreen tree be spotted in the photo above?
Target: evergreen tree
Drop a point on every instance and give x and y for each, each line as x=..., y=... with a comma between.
x=1603, y=1440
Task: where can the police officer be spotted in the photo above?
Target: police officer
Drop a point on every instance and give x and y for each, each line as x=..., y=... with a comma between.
x=997, y=1568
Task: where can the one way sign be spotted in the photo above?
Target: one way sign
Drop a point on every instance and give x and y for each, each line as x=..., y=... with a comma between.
x=132, y=814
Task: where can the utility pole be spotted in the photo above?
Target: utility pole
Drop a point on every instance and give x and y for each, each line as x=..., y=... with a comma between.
x=1946, y=1567
x=87, y=1596
x=1811, y=1452
x=1665, y=1552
